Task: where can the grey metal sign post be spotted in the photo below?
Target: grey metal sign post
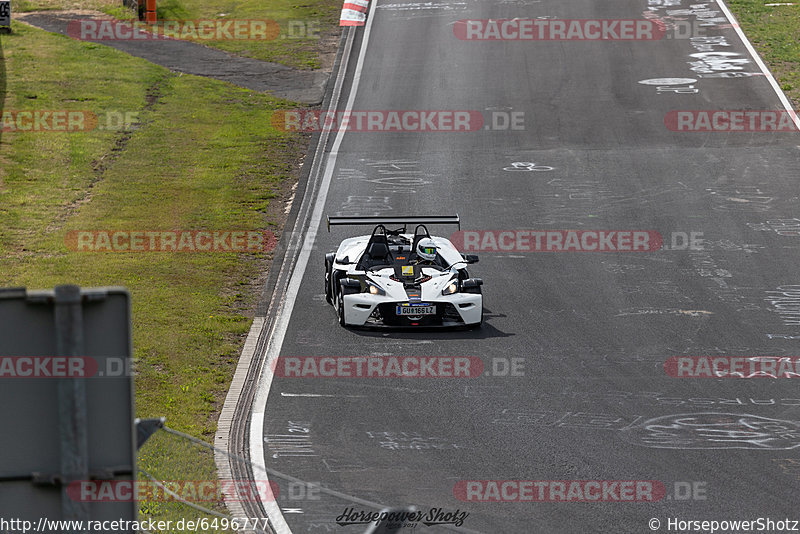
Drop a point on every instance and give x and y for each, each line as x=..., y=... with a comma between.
x=66, y=403
x=5, y=15
x=72, y=423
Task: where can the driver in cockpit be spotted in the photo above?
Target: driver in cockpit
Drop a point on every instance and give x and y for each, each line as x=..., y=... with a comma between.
x=426, y=252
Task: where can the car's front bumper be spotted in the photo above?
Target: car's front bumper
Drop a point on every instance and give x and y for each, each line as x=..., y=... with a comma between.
x=458, y=309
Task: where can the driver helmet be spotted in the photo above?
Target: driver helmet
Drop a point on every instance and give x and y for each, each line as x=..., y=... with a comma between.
x=426, y=249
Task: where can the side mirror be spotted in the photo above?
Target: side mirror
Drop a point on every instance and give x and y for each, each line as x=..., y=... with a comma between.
x=343, y=261
x=470, y=258
x=350, y=286
x=471, y=285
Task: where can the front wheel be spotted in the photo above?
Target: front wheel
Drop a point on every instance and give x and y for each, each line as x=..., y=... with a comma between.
x=328, y=295
x=340, y=308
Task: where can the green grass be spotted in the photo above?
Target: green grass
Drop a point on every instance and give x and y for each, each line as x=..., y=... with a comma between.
x=112, y=7
x=292, y=47
x=203, y=156
x=306, y=28
x=163, y=457
x=775, y=33
x=24, y=6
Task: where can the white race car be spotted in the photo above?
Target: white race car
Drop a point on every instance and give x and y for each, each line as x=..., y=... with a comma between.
x=397, y=279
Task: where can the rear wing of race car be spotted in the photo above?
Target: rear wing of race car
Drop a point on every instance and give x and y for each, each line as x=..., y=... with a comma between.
x=393, y=221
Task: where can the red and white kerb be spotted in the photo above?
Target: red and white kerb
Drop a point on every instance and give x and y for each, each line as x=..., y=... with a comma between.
x=354, y=13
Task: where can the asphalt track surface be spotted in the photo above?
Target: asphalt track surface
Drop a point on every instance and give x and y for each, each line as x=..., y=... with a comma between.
x=593, y=329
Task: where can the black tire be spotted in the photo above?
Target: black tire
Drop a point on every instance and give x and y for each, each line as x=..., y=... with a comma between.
x=328, y=292
x=340, y=308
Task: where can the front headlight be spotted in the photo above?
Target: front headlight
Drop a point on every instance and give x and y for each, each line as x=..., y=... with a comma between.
x=450, y=288
x=372, y=289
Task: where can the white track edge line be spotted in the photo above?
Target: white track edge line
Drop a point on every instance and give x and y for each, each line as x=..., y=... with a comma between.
x=285, y=311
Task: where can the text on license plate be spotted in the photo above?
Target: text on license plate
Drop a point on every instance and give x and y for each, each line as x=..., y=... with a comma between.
x=416, y=310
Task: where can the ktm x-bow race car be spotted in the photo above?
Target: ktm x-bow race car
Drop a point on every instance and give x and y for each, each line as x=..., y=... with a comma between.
x=397, y=279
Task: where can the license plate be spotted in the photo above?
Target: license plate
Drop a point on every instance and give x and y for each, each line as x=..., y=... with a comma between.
x=416, y=310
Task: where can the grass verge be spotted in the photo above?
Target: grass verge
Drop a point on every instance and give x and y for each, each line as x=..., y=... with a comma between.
x=202, y=155
x=775, y=34
x=307, y=29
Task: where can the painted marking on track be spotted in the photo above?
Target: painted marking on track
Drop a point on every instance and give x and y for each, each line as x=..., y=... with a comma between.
x=416, y=6
x=682, y=86
x=667, y=81
x=283, y=394
x=712, y=430
x=663, y=311
x=527, y=166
